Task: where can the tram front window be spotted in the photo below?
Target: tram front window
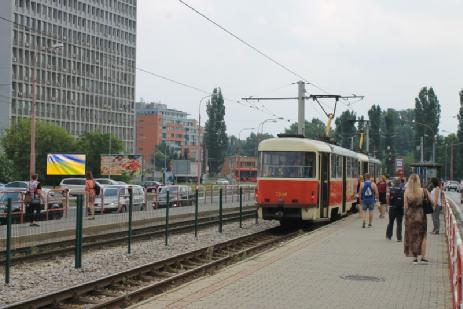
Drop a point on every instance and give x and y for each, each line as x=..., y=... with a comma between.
x=287, y=164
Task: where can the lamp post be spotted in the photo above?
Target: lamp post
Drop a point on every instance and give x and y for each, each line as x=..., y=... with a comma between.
x=110, y=158
x=422, y=140
x=198, y=152
x=239, y=150
x=34, y=84
x=261, y=125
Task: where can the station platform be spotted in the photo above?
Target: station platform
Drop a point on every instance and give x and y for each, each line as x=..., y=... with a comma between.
x=338, y=266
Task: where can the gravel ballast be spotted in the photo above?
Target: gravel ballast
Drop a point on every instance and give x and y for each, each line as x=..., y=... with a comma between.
x=33, y=279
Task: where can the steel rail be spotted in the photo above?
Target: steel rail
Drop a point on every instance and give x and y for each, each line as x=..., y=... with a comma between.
x=134, y=285
x=66, y=247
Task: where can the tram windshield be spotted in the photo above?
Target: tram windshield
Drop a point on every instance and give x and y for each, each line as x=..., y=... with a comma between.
x=287, y=164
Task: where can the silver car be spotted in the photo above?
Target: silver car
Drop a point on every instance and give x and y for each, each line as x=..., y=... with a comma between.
x=115, y=198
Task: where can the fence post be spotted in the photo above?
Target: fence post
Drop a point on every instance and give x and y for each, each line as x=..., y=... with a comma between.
x=196, y=212
x=241, y=207
x=167, y=219
x=8, y=242
x=257, y=215
x=220, y=210
x=129, y=245
x=78, y=241
x=212, y=194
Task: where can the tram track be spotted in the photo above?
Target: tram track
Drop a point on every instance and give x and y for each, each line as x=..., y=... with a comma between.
x=103, y=240
x=131, y=286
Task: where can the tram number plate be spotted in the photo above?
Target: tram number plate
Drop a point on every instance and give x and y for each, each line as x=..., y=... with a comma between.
x=281, y=194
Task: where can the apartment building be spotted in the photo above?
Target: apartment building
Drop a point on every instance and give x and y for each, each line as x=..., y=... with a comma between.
x=79, y=54
x=156, y=123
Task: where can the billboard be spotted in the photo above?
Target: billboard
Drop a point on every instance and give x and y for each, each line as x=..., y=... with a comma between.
x=65, y=164
x=121, y=164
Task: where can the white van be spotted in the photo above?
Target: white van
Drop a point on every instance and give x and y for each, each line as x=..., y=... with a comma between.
x=76, y=186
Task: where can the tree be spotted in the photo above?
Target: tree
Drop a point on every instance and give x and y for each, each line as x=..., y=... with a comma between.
x=390, y=121
x=427, y=116
x=215, y=136
x=50, y=138
x=163, y=154
x=93, y=145
x=345, y=130
x=374, y=115
x=249, y=147
x=314, y=129
x=7, y=169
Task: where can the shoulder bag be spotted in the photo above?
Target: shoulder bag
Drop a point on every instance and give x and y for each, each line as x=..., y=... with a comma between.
x=427, y=204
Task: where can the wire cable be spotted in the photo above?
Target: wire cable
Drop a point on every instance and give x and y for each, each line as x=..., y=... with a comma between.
x=271, y=59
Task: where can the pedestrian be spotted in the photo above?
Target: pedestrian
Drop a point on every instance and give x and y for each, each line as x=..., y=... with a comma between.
x=438, y=198
x=369, y=193
x=90, y=194
x=415, y=220
x=396, y=210
x=359, y=200
x=382, y=191
x=34, y=191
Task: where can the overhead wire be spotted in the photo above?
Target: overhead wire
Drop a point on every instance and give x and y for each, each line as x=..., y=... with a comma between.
x=271, y=59
x=144, y=71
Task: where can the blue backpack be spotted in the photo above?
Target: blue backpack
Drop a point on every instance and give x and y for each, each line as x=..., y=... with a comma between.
x=367, y=192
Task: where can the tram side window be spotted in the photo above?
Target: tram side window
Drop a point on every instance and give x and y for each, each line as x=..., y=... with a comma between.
x=287, y=164
x=355, y=168
x=348, y=167
x=338, y=166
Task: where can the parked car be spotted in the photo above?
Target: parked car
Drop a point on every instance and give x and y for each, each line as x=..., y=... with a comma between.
x=222, y=181
x=179, y=195
x=151, y=185
x=76, y=186
x=116, y=198
x=51, y=201
x=17, y=184
x=106, y=181
x=453, y=186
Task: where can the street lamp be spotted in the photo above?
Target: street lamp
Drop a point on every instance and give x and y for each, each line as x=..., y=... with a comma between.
x=261, y=125
x=110, y=158
x=34, y=82
x=239, y=150
x=198, y=152
x=422, y=140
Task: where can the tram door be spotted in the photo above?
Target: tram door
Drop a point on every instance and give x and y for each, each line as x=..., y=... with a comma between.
x=344, y=184
x=324, y=183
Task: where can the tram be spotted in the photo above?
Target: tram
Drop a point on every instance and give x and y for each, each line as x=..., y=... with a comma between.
x=308, y=180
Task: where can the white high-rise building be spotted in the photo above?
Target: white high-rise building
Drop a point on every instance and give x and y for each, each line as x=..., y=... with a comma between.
x=82, y=54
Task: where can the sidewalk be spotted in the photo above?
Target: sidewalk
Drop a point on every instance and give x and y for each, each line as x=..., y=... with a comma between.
x=313, y=271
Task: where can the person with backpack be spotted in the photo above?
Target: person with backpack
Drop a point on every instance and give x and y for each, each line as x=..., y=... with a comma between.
x=396, y=210
x=33, y=199
x=90, y=192
x=369, y=194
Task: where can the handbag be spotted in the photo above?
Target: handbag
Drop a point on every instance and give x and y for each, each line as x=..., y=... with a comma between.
x=427, y=204
x=27, y=197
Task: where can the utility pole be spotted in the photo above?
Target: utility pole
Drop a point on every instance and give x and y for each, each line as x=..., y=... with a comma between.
x=301, y=107
x=451, y=161
x=367, y=137
x=301, y=97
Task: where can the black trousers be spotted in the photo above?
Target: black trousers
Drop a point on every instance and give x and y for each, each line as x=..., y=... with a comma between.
x=395, y=214
x=34, y=212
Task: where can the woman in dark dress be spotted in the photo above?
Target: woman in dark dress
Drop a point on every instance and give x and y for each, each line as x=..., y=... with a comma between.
x=415, y=220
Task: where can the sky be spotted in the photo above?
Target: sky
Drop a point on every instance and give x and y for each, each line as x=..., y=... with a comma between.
x=384, y=50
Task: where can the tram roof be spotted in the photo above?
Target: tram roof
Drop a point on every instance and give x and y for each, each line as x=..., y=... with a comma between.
x=305, y=144
x=293, y=144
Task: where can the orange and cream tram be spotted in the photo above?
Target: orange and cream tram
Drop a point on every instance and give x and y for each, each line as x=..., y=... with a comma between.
x=304, y=179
